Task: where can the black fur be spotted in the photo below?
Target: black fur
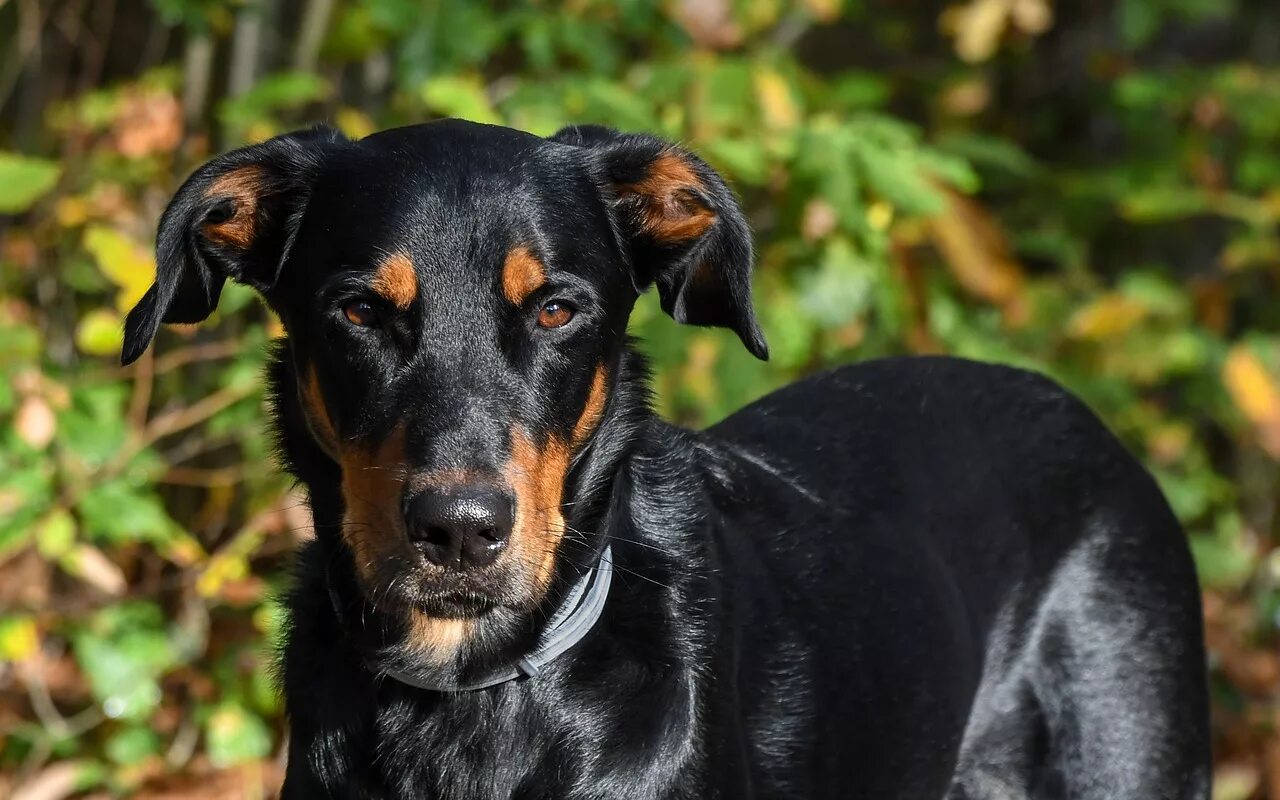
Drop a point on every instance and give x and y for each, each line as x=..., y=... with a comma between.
x=910, y=578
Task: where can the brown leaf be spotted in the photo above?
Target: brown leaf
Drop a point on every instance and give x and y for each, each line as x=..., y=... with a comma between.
x=92, y=566
x=54, y=782
x=35, y=423
x=978, y=254
x=149, y=122
x=709, y=23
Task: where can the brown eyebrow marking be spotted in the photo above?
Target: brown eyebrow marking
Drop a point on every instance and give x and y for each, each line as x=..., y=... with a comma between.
x=668, y=212
x=594, y=409
x=396, y=280
x=243, y=187
x=522, y=275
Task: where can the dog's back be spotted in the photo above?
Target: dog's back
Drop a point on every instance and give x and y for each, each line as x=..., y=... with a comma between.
x=972, y=578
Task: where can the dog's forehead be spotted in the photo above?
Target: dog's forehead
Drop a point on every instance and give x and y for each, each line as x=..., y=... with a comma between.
x=446, y=195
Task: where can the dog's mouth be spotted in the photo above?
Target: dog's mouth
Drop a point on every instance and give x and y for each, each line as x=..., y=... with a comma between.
x=421, y=587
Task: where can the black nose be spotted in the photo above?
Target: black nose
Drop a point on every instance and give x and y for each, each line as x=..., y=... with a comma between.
x=461, y=528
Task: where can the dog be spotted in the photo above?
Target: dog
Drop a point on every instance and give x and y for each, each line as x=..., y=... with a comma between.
x=907, y=578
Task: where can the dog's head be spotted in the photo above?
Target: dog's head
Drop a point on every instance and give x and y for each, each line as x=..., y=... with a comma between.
x=456, y=300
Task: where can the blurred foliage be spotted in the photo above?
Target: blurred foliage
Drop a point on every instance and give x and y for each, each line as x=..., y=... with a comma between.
x=1089, y=191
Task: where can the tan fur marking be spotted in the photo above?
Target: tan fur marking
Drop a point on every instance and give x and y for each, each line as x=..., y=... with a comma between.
x=372, y=484
x=537, y=477
x=438, y=638
x=522, y=275
x=372, y=481
x=444, y=479
x=593, y=410
x=317, y=413
x=396, y=280
x=666, y=213
x=243, y=186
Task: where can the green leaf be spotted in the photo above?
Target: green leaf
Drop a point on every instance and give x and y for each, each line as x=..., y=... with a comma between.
x=24, y=180
x=275, y=93
x=236, y=735
x=133, y=745
x=116, y=511
x=55, y=533
x=100, y=333
x=123, y=651
x=462, y=97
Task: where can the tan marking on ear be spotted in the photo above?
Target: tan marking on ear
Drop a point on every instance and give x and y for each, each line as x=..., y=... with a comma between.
x=537, y=478
x=594, y=408
x=243, y=186
x=316, y=412
x=438, y=639
x=522, y=275
x=396, y=281
x=666, y=210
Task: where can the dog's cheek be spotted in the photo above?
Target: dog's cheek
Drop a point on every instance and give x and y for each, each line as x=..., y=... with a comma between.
x=536, y=476
x=593, y=409
x=372, y=484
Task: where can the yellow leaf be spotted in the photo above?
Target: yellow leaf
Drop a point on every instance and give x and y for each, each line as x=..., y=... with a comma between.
x=977, y=27
x=124, y=262
x=1254, y=392
x=1109, y=316
x=71, y=211
x=100, y=332
x=880, y=215
x=776, y=100
x=354, y=123
x=19, y=639
x=824, y=10
x=221, y=569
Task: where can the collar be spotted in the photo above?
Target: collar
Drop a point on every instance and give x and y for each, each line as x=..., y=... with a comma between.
x=575, y=617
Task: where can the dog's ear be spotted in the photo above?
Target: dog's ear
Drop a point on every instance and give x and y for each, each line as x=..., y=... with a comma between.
x=233, y=218
x=681, y=225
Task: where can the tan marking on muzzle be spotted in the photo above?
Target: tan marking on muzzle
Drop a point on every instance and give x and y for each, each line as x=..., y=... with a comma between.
x=243, y=186
x=372, y=483
x=396, y=281
x=522, y=275
x=594, y=409
x=667, y=212
x=537, y=477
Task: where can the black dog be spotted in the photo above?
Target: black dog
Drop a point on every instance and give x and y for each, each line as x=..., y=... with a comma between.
x=912, y=578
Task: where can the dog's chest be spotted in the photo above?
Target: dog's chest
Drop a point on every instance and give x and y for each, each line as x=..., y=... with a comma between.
x=463, y=748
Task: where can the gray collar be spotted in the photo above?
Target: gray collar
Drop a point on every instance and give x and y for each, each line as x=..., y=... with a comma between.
x=575, y=617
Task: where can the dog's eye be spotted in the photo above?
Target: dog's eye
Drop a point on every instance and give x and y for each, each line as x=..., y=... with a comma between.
x=361, y=314
x=555, y=314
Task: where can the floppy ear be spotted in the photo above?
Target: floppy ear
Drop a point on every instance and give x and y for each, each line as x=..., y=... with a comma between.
x=233, y=218
x=681, y=225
